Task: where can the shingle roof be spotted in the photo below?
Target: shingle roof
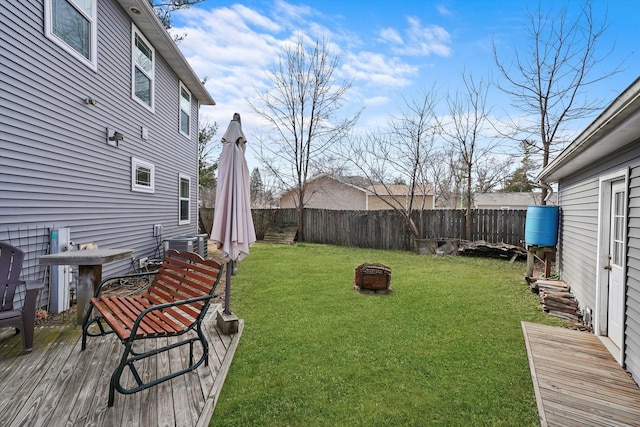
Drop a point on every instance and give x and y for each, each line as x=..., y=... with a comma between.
x=399, y=189
x=511, y=199
x=358, y=181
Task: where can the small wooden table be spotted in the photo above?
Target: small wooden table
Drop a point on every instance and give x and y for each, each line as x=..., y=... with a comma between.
x=89, y=262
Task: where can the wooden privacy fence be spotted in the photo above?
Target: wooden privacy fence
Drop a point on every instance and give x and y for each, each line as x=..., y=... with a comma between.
x=386, y=229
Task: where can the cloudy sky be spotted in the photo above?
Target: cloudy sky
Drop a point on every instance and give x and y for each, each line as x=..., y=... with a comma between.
x=389, y=49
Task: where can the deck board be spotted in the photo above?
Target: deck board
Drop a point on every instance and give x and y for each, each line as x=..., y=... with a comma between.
x=59, y=385
x=577, y=382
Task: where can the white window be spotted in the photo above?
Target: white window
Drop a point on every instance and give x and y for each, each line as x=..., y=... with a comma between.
x=184, y=199
x=142, y=69
x=142, y=176
x=72, y=25
x=185, y=111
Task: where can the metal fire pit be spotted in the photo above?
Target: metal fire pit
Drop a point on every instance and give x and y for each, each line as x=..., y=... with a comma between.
x=372, y=277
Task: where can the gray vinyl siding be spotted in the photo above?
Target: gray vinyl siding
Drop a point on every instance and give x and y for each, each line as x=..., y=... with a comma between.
x=55, y=166
x=579, y=198
x=578, y=238
x=632, y=319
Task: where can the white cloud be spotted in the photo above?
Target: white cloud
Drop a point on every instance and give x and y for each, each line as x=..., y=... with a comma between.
x=252, y=18
x=428, y=40
x=391, y=36
x=418, y=40
x=379, y=70
x=234, y=47
x=292, y=12
x=443, y=10
x=376, y=101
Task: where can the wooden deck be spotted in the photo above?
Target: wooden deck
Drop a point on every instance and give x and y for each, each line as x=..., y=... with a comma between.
x=59, y=385
x=576, y=380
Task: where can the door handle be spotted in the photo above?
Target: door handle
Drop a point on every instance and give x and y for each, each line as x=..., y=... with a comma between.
x=607, y=267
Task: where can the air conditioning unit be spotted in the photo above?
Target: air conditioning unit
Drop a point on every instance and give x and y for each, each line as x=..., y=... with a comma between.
x=191, y=243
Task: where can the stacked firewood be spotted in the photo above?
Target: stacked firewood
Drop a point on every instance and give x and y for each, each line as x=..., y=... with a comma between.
x=556, y=299
x=485, y=249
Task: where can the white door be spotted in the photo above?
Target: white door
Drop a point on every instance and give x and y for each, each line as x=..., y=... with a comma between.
x=617, y=251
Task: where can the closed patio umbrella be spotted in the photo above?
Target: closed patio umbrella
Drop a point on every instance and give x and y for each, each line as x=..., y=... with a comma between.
x=233, y=229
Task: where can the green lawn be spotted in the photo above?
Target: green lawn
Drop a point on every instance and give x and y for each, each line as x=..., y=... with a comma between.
x=445, y=348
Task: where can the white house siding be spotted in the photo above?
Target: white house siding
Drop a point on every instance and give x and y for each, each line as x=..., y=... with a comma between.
x=55, y=166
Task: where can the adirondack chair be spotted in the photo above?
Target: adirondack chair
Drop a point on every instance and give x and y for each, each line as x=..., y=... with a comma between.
x=173, y=305
x=23, y=319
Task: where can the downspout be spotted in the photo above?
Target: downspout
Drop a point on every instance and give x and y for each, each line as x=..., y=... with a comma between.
x=549, y=190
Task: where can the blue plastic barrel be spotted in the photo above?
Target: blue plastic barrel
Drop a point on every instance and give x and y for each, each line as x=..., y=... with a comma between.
x=541, y=226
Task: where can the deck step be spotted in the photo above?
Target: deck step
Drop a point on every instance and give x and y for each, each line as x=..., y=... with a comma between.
x=281, y=233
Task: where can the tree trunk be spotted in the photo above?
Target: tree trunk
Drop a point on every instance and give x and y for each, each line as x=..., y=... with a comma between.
x=412, y=227
x=545, y=162
x=468, y=224
x=300, y=212
x=468, y=213
x=301, y=224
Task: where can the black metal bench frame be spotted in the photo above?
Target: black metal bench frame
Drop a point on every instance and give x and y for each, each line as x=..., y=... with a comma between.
x=174, y=304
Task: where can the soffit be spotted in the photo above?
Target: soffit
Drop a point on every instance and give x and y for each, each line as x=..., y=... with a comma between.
x=616, y=127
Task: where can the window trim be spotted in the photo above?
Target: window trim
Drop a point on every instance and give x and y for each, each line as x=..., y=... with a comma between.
x=180, y=110
x=135, y=164
x=134, y=66
x=92, y=61
x=181, y=199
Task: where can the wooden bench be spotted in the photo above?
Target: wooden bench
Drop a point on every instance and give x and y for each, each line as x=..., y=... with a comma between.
x=173, y=305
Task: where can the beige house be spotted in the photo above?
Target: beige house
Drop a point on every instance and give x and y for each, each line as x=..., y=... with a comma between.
x=326, y=191
x=511, y=200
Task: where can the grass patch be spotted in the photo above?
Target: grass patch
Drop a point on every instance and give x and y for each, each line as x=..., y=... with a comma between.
x=444, y=348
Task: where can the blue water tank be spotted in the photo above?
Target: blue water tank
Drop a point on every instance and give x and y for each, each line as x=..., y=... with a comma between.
x=541, y=227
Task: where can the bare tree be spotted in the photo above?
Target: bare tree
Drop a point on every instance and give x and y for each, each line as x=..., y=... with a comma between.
x=444, y=180
x=301, y=107
x=549, y=82
x=207, y=165
x=164, y=8
x=465, y=129
x=491, y=172
x=329, y=164
x=401, y=154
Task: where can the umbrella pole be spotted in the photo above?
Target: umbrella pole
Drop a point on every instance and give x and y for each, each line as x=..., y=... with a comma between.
x=227, y=288
x=230, y=263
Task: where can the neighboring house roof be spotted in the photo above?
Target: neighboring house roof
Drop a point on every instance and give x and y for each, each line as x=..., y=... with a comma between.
x=356, y=181
x=511, y=200
x=143, y=16
x=364, y=184
x=399, y=190
x=619, y=123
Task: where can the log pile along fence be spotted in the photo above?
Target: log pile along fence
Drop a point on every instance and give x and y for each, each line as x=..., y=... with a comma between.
x=387, y=230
